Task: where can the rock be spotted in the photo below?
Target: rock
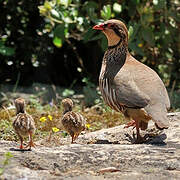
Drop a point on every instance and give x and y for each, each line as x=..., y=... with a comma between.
x=104, y=154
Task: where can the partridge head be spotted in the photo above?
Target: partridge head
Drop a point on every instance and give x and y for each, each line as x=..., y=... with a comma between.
x=115, y=31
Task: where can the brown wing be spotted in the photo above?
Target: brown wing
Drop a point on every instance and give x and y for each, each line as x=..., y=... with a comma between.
x=129, y=94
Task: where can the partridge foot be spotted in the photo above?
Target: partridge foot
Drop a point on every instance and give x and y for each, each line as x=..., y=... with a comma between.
x=138, y=139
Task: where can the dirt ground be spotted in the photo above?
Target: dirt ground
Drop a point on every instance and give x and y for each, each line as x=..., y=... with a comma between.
x=105, y=154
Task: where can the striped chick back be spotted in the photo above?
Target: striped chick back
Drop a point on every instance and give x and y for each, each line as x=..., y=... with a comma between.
x=73, y=122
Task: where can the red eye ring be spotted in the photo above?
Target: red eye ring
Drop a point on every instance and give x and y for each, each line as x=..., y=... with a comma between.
x=111, y=26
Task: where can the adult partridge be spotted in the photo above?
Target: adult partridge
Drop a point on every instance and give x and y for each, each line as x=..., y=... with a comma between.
x=72, y=122
x=129, y=86
x=23, y=124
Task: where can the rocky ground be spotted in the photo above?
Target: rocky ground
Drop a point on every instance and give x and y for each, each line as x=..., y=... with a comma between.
x=105, y=154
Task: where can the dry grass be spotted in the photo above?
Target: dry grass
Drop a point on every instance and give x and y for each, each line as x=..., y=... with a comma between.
x=95, y=119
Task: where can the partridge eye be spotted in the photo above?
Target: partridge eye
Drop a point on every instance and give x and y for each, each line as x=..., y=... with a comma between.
x=111, y=26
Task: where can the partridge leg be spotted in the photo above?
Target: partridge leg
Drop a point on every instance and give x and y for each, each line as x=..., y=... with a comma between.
x=139, y=139
x=31, y=143
x=131, y=123
x=72, y=139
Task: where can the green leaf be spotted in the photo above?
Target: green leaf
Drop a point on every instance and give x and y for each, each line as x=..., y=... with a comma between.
x=90, y=4
x=155, y=2
x=7, y=51
x=47, y=5
x=8, y=155
x=159, y=4
x=57, y=42
x=68, y=92
x=104, y=43
x=133, y=46
x=147, y=35
x=135, y=31
x=66, y=3
x=117, y=7
x=106, y=12
x=88, y=35
x=60, y=32
x=1, y=171
x=130, y=32
x=90, y=7
x=68, y=20
x=55, y=14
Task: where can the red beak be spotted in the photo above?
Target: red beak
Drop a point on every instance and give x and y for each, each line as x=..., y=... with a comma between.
x=99, y=27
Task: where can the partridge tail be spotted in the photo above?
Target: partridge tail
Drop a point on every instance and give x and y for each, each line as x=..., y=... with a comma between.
x=158, y=112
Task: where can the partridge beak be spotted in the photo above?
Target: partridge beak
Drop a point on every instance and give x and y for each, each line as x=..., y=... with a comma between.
x=99, y=27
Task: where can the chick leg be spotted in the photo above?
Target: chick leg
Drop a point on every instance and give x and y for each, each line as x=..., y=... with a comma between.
x=21, y=139
x=76, y=135
x=31, y=143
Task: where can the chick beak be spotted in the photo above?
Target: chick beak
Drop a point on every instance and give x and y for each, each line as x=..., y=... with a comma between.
x=99, y=27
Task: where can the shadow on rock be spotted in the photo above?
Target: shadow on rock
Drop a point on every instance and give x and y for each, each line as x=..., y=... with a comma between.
x=149, y=139
x=21, y=150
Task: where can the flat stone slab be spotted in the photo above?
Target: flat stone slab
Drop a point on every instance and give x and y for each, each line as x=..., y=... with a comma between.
x=104, y=154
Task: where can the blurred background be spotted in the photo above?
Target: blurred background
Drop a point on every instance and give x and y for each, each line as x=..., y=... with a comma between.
x=48, y=49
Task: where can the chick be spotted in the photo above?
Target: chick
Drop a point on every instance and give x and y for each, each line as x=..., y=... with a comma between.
x=72, y=122
x=23, y=124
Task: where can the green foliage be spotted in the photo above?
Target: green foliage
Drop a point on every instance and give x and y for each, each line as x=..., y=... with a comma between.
x=153, y=27
x=7, y=156
x=48, y=44
x=7, y=131
x=34, y=103
x=106, y=12
x=67, y=93
x=90, y=92
x=6, y=51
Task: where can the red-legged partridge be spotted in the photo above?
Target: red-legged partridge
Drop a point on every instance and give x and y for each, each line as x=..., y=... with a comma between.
x=129, y=86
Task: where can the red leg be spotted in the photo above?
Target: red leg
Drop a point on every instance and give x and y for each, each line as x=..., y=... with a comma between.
x=21, y=139
x=131, y=123
x=76, y=135
x=137, y=129
x=21, y=146
x=139, y=139
x=72, y=139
